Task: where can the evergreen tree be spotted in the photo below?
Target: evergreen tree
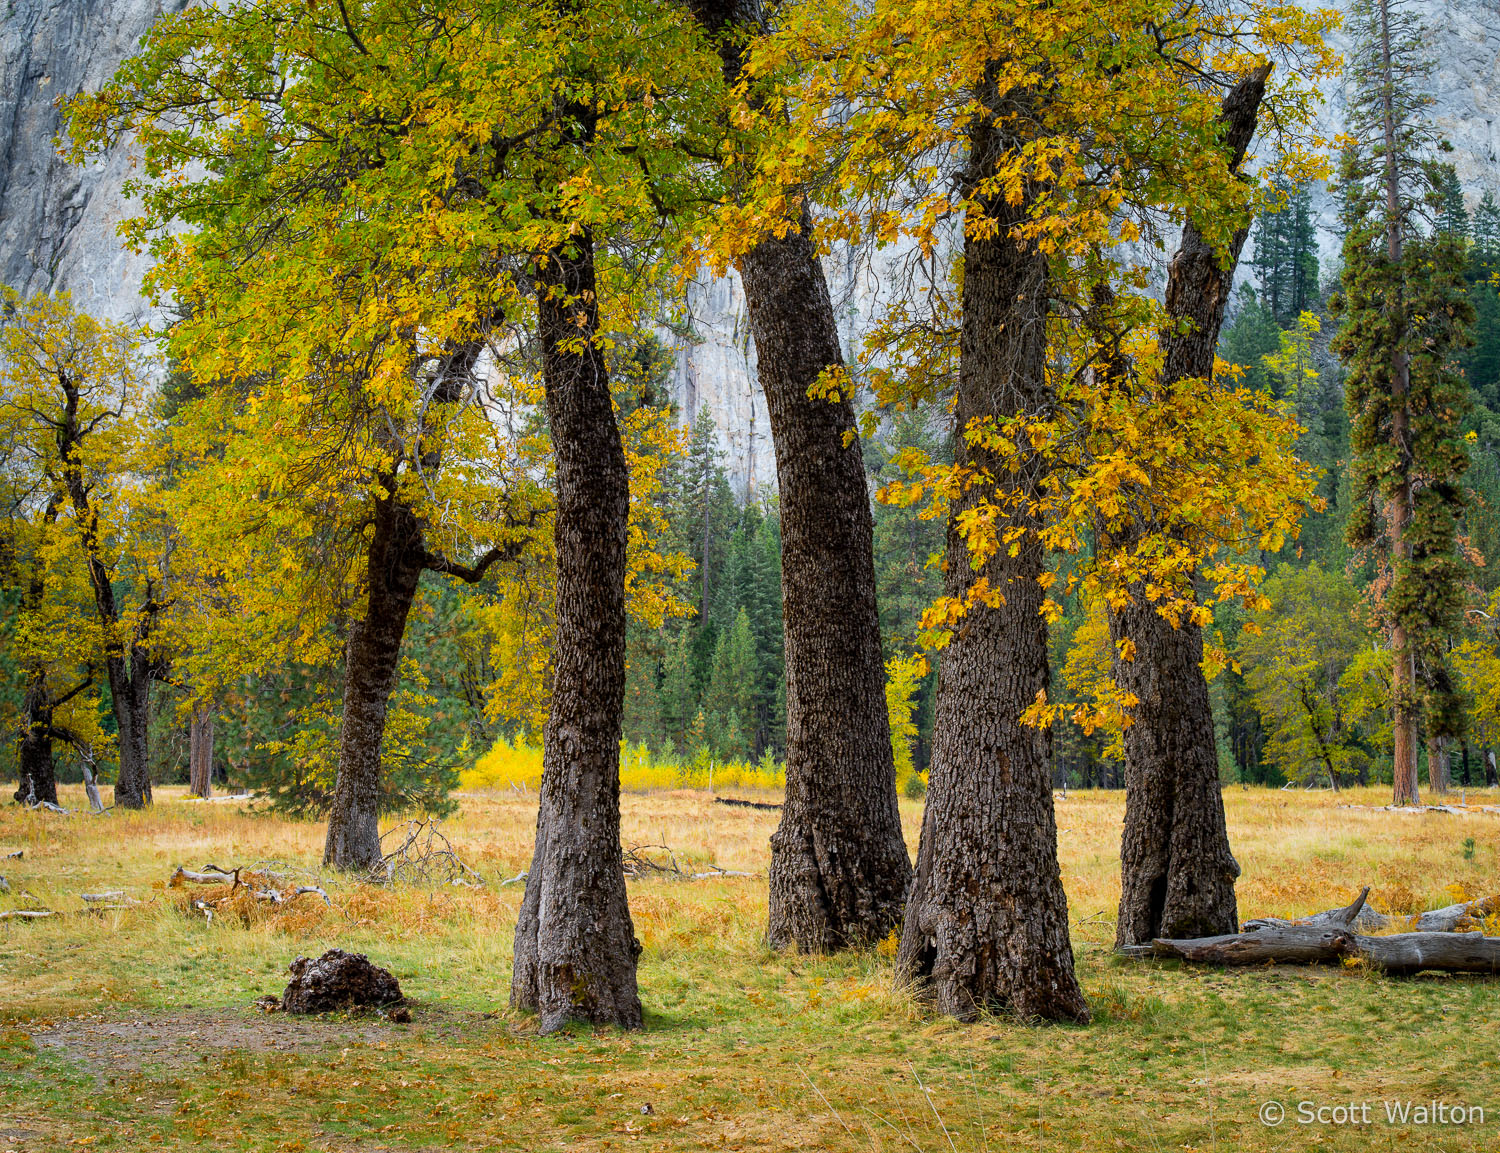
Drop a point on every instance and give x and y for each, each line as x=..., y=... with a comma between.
x=1286, y=257
x=1250, y=337
x=1404, y=314
x=1485, y=231
x=1452, y=215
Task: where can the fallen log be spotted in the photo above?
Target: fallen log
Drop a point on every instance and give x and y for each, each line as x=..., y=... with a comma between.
x=747, y=804
x=15, y=855
x=1400, y=954
x=27, y=914
x=187, y=877
x=1462, y=917
x=115, y=895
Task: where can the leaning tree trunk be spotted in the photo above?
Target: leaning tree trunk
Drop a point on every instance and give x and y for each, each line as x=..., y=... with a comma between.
x=1177, y=873
x=575, y=949
x=38, y=774
x=201, y=753
x=839, y=865
x=987, y=922
x=372, y=657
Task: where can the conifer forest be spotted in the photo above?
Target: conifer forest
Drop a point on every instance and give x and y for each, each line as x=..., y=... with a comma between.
x=726, y=575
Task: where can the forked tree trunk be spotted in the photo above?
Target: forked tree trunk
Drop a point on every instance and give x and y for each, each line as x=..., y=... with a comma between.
x=575, y=947
x=987, y=922
x=372, y=657
x=839, y=865
x=1177, y=873
x=201, y=753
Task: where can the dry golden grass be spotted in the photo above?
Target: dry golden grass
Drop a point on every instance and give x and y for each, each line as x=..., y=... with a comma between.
x=744, y=1048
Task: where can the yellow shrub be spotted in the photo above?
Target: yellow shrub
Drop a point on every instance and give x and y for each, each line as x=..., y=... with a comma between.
x=519, y=766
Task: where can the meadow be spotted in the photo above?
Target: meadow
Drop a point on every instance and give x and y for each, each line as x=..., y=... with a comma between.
x=135, y=1028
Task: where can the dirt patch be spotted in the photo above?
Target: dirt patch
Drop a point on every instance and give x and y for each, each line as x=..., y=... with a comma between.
x=176, y=1041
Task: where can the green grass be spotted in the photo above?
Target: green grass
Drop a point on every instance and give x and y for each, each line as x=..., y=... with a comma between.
x=134, y=1031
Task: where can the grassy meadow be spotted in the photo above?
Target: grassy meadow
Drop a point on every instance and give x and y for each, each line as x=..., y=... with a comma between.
x=135, y=1029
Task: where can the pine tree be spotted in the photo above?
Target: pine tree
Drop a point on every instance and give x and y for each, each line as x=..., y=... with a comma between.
x=1404, y=315
x=1485, y=231
x=1286, y=257
x=1452, y=214
x=1250, y=337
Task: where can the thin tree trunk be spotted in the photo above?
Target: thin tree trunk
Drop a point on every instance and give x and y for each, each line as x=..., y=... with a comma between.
x=1177, y=873
x=575, y=946
x=129, y=665
x=987, y=921
x=1405, y=709
x=372, y=657
x=201, y=753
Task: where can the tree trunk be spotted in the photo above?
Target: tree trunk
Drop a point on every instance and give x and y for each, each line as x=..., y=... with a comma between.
x=839, y=865
x=372, y=657
x=130, y=688
x=987, y=922
x=38, y=776
x=575, y=947
x=201, y=753
x=1177, y=873
x=1404, y=704
x=1438, y=773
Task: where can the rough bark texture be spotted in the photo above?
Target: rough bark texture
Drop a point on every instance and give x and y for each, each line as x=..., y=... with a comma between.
x=34, y=757
x=338, y=980
x=575, y=949
x=372, y=657
x=1177, y=873
x=839, y=865
x=201, y=753
x=987, y=922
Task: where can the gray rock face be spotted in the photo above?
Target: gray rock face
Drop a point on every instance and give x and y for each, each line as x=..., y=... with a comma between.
x=58, y=222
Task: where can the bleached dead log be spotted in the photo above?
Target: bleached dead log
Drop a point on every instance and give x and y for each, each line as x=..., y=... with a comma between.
x=278, y=898
x=1449, y=919
x=117, y=895
x=16, y=855
x=719, y=873
x=518, y=879
x=210, y=877
x=1292, y=944
x=1399, y=954
x=27, y=914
